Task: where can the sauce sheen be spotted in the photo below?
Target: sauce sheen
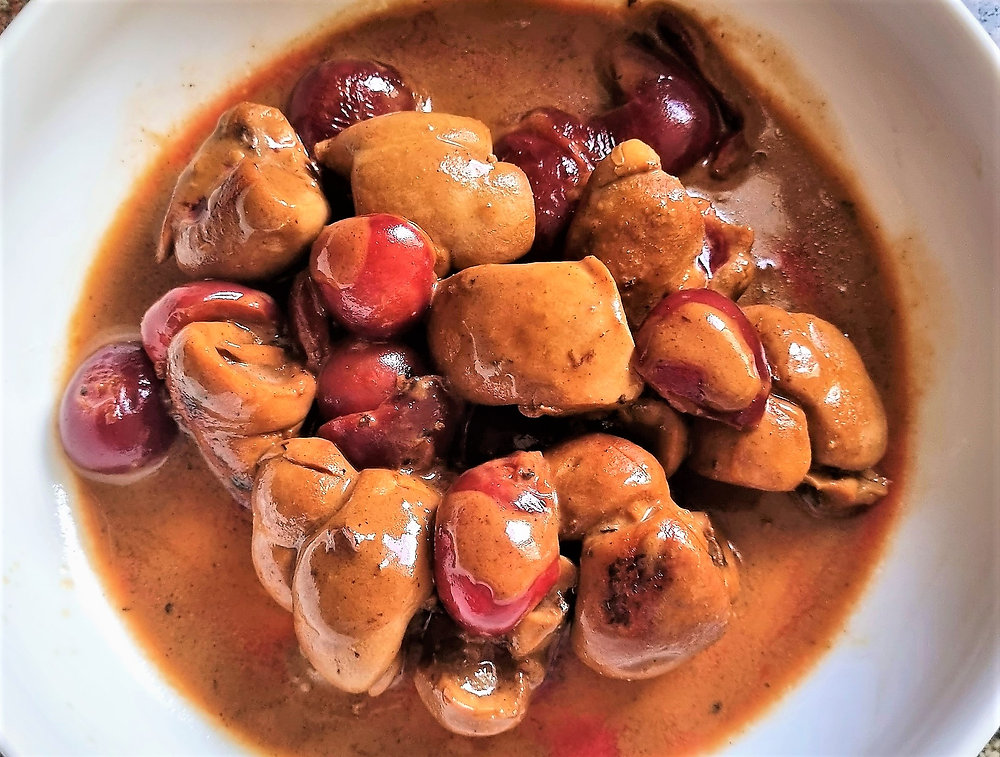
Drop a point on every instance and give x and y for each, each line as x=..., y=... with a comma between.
x=175, y=551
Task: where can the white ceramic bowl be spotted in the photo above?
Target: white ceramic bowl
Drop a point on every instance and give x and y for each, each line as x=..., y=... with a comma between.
x=88, y=90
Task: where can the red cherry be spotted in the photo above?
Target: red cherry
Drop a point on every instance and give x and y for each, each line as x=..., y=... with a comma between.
x=518, y=519
x=375, y=273
x=113, y=418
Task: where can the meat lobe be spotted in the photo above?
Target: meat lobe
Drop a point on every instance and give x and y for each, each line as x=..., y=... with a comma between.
x=726, y=255
x=563, y=348
x=248, y=204
x=659, y=428
x=438, y=171
x=297, y=486
x=601, y=479
x=472, y=687
x=238, y=397
x=362, y=577
x=640, y=222
x=773, y=456
x=652, y=594
x=815, y=365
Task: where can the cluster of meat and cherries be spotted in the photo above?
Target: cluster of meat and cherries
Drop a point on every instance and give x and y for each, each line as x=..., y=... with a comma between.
x=456, y=460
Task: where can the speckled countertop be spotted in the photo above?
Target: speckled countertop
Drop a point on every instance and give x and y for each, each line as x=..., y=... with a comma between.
x=987, y=12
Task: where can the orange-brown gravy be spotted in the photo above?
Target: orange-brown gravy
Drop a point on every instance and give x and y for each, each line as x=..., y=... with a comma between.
x=175, y=551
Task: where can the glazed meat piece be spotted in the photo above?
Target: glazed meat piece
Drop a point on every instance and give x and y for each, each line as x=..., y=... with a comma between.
x=236, y=396
x=539, y=628
x=474, y=687
x=773, y=456
x=726, y=253
x=642, y=224
x=660, y=428
x=301, y=484
x=362, y=577
x=496, y=543
x=602, y=478
x=438, y=171
x=652, y=593
x=249, y=203
x=548, y=337
x=815, y=365
x=699, y=352
x=827, y=492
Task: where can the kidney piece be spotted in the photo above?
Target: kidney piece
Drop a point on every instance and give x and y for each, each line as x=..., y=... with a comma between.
x=362, y=577
x=651, y=594
x=296, y=488
x=238, y=397
x=438, y=171
x=815, y=365
x=641, y=223
x=600, y=478
x=548, y=337
x=248, y=204
x=772, y=456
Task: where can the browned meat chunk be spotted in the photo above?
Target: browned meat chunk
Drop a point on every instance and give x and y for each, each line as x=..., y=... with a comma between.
x=815, y=365
x=249, y=204
x=652, y=593
x=548, y=337
x=641, y=223
x=438, y=171
x=362, y=577
x=238, y=398
x=601, y=478
x=726, y=252
x=660, y=428
x=773, y=456
x=296, y=488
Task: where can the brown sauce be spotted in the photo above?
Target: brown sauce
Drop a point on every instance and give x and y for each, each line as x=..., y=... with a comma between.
x=175, y=552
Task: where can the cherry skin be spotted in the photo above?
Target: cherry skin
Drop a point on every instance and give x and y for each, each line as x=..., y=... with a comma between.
x=113, y=417
x=359, y=376
x=375, y=273
x=496, y=546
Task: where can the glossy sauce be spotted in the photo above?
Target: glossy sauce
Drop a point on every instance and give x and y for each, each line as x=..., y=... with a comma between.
x=175, y=551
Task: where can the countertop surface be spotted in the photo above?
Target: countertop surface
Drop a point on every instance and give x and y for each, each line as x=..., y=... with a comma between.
x=987, y=12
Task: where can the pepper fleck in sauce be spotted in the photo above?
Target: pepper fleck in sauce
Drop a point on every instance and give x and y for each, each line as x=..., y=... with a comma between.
x=175, y=551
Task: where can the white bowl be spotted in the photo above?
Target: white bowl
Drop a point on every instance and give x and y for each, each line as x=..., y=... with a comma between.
x=89, y=90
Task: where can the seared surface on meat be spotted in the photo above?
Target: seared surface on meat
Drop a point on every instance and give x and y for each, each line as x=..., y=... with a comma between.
x=249, y=203
x=641, y=223
x=438, y=171
x=563, y=348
